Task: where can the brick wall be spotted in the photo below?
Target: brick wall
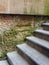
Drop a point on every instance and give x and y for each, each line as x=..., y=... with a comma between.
x=21, y=18
x=16, y=18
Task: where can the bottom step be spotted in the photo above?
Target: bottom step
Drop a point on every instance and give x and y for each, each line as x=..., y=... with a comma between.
x=32, y=55
x=4, y=62
x=15, y=59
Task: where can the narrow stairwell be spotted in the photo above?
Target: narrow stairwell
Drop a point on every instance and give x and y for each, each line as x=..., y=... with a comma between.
x=34, y=51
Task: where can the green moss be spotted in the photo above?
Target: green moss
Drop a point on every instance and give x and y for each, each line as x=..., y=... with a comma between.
x=0, y=38
x=46, y=7
x=32, y=11
x=15, y=36
x=25, y=10
x=3, y=54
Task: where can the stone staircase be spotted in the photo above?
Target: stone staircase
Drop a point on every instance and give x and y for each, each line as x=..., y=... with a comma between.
x=34, y=51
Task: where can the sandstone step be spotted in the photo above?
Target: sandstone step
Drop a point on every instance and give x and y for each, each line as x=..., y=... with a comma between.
x=39, y=44
x=45, y=26
x=42, y=34
x=15, y=59
x=31, y=55
x=4, y=62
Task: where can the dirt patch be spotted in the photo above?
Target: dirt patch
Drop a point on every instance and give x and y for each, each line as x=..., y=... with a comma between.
x=5, y=26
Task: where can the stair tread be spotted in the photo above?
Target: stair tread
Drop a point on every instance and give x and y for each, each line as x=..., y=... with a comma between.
x=39, y=41
x=4, y=62
x=45, y=24
x=42, y=31
x=16, y=59
x=36, y=56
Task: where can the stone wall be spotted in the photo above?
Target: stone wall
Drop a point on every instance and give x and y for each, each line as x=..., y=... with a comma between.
x=22, y=6
x=3, y=6
x=16, y=18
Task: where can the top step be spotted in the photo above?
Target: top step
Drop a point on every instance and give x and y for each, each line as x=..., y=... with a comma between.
x=4, y=62
x=45, y=26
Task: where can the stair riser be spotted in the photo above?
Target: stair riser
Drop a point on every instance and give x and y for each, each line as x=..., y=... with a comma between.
x=9, y=61
x=38, y=47
x=26, y=57
x=42, y=36
x=46, y=28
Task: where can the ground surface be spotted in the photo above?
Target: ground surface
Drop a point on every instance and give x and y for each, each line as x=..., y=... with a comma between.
x=3, y=27
x=11, y=35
